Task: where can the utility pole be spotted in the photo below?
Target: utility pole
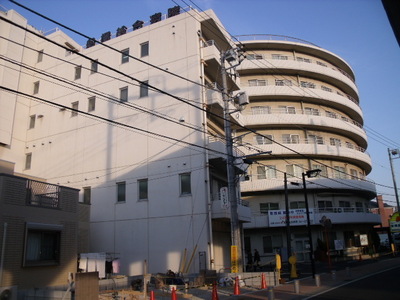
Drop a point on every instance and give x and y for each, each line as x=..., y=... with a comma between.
x=288, y=234
x=392, y=153
x=229, y=56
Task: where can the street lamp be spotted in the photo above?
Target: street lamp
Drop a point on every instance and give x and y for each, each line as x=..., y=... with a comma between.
x=309, y=174
x=392, y=153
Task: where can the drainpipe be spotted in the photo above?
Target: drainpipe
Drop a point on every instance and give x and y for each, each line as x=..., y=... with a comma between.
x=3, y=249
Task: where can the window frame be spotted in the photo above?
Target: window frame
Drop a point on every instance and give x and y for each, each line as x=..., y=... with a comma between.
x=185, y=186
x=144, y=49
x=32, y=121
x=36, y=87
x=261, y=110
x=48, y=254
x=91, y=103
x=263, y=139
x=78, y=72
x=94, y=66
x=123, y=94
x=121, y=191
x=124, y=56
x=87, y=195
x=28, y=161
x=266, y=172
x=144, y=89
x=40, y=56
x=143, y=191
x=74, y=105
x=265, y=207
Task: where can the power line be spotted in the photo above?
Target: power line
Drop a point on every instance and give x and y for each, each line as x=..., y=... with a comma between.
x=113, y=122
x=161, y=91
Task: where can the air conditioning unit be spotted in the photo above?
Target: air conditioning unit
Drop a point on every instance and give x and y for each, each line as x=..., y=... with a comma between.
x=8, y=293
x=243, y=99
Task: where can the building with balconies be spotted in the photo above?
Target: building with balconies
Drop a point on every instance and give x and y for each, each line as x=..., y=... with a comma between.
x=134, y=120
x=305, y=110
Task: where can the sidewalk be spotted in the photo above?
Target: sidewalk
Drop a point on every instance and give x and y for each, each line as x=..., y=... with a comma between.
x=307, y=287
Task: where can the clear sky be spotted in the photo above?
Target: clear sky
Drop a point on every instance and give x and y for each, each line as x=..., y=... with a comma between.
x=356, y=30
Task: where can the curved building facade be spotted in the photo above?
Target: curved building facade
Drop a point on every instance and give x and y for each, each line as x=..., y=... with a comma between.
x=304, y=114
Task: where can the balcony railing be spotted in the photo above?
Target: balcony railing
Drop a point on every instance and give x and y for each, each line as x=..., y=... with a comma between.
x=271, y=111
x=42, y=194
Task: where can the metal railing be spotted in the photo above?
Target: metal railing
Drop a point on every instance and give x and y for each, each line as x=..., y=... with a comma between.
x=42, y=194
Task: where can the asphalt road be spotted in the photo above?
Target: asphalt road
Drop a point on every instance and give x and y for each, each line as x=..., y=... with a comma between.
x=383, y=285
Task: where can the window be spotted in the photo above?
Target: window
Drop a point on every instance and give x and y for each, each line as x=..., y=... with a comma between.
x=315, y=139
x=287, y=110
x=28, y=161
x=92, y=103
x=121, y=191
x=283, y=82
x=87, y=195
x=325, y=205
x=335, y=142
x=94, y=66
x=323, y=168
x=265, y=139
x=32, y=121
x=349, y=145
x=144, y=49
x=321, y=64
x=143, y=189
x=339, y=172
x=279, y=56
x=302, y=59
x=311, y=111
x=326, y=89
x=40, y=56
x=265, y=207
x=306, y=84
x=331, y=114
x=75, y=107
x=257, y=82
x=345, y=205
x=144, y=89
x=266, y=172
x=294, y=170
x=290, y=138
x=36, y=87
x=354, y=174
x=359, y=207
x=254, y=56
x=125, y=56
x=272, y=243
x=42, y=244
x=78, y=72
x=297, y=204
x=260, y=110
x=123, y=94
x=185, y=187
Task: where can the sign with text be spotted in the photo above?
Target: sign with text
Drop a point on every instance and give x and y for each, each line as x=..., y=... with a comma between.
x=395, y=223
x=297, y=217
x=224, y=197
x=234, y=260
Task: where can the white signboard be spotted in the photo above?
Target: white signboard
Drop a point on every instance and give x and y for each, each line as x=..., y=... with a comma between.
x=339, y=245
x=364, y=240
x=297, y=217
x=224, y=197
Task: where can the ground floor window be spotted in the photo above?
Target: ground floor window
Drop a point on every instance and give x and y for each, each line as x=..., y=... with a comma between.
x=42, y=244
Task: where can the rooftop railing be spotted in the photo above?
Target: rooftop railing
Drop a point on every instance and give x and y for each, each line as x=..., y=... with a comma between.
x=42, y=194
